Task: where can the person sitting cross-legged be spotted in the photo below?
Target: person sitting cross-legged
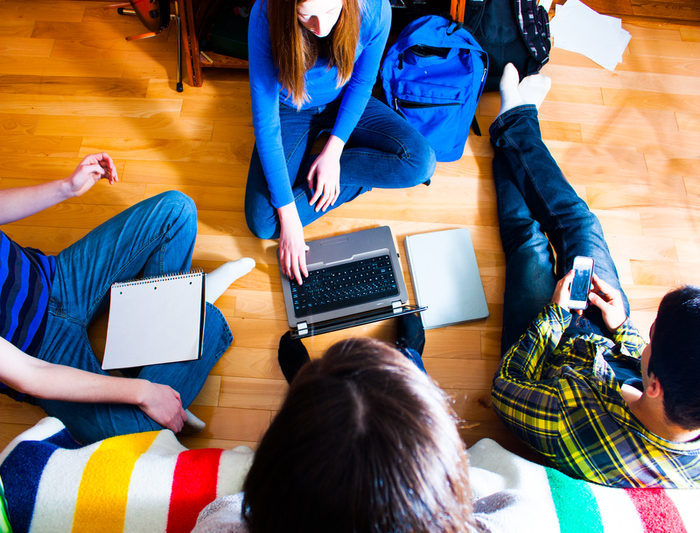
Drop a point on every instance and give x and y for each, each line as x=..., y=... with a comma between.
x=582, y=388
x=47, y=303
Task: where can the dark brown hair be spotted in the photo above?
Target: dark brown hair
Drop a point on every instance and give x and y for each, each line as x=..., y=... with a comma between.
x=364, y=443
x=295, y=49
x=675, y=355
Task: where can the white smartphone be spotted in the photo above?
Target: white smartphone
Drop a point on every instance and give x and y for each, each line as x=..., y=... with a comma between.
x=581, y=286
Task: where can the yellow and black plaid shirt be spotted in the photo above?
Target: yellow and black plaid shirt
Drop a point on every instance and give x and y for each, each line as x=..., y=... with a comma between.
x=559, y=395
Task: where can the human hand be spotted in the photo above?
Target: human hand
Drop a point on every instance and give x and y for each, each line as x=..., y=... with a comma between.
x=292, y=244
x=609, y=301
x=163, y=405
x=90, y=170
x=326, y=170
x=562, y=292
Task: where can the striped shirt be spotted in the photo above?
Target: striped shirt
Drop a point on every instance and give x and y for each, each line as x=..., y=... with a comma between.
x=558, y=394
x=25, y=286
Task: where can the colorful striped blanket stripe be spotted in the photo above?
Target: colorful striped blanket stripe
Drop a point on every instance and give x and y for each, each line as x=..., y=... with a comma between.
x=564, y=504
x=150, y=483
x=143, y=482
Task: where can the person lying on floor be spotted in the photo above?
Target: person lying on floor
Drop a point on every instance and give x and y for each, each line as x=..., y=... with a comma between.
x=365, y=442
x=583, y=389
x=47, y=303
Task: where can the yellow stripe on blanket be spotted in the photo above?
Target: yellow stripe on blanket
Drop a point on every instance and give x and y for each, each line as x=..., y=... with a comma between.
x=104, y=487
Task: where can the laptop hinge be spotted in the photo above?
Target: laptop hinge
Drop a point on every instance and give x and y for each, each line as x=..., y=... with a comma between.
x=302, y=328
x=396, y=306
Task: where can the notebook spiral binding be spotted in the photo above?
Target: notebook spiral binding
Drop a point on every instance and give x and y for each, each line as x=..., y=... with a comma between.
x=165, y=277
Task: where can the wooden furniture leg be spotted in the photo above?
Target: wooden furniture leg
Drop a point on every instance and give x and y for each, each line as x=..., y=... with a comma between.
x=457, y=9
x=189, y=42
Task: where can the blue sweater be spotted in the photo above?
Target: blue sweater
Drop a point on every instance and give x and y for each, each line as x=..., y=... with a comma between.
x=266, y=91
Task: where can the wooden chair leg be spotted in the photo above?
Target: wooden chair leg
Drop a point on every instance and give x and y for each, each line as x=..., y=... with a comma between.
x=190, y=46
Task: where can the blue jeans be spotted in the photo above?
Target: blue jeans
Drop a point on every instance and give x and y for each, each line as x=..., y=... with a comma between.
x=153, y=237
x=540, y=214
x=414, y=357
x=383, y=151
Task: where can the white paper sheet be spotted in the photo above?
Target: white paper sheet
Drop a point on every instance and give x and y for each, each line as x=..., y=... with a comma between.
x=578, y=28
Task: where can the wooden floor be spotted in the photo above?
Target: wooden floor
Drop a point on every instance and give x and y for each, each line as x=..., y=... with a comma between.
x=71, y=85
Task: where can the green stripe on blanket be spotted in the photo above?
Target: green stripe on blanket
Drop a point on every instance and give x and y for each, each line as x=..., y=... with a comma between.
x=4, y=518
x=577, y=508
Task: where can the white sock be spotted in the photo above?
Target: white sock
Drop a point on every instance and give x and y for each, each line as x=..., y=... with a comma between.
x=510, y=96
x=532, y=90
x=221, y=279
x=193, y=425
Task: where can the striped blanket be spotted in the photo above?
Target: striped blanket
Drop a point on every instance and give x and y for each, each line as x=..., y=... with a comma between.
x=147, y=482
x=559, y=503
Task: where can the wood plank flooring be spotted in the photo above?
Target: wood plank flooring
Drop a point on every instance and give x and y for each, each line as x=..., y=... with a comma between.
x=70, y=85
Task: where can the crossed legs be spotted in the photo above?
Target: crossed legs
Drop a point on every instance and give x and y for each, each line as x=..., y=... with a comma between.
x=154, y=237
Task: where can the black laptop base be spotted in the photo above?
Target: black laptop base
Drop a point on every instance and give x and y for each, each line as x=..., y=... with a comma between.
x=354, y=320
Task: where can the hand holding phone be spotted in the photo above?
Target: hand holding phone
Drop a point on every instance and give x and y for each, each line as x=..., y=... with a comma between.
x=581, y=284
x=610, y=302
x=572, y=290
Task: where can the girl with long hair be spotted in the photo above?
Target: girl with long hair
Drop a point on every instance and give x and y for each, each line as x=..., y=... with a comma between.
x=313, y=64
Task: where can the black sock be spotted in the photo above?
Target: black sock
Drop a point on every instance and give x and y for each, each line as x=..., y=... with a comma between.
x=292, y=355
x=411, y=333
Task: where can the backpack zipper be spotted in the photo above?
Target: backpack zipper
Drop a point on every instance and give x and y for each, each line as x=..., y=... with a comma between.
x=417, y=105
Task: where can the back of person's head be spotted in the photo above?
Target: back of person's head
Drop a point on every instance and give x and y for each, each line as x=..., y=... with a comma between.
x=364, y=443
x=295, y=49
x=675, y=355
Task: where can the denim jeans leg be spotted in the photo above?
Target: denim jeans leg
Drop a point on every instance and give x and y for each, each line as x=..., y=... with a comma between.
x=565, y=218
x=414, y=357
x=386, y=152
x=530, y=279
x=299, y=131
x=188, y=377
x=87, y=422
x=154, y=237
x=383, y=151
x=261, y=216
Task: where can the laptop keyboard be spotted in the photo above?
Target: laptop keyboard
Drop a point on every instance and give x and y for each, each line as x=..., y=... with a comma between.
x=336, y=287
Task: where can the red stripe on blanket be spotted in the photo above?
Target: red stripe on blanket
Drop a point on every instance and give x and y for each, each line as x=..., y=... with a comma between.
x=656, y=510
x=194, y=487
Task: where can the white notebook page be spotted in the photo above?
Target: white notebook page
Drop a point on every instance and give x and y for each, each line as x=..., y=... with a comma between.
x=154, y=321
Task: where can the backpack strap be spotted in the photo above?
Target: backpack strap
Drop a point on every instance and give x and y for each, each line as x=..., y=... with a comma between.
x=423, y=32
x=475, y=9
x=536, y=41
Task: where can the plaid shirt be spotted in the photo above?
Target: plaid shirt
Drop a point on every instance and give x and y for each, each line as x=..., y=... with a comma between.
x=561, y=397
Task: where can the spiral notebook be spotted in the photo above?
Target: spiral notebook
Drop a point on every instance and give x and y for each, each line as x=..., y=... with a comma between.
x=155, y=320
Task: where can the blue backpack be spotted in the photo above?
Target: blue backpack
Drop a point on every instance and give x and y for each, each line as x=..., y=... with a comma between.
x=433, y=76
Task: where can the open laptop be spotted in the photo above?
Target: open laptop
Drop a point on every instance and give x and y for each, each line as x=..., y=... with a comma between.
x=354, y=279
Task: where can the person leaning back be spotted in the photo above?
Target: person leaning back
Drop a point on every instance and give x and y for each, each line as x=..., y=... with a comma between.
x=581, y=387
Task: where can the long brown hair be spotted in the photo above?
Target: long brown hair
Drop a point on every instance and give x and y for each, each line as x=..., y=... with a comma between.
x=364, y=443
x=295, y=49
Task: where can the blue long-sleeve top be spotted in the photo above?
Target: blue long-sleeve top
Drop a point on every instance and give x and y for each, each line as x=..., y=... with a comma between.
x=266, y=92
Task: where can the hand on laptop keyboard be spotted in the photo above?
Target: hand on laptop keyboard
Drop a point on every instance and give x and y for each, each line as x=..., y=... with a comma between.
x=292, y=244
